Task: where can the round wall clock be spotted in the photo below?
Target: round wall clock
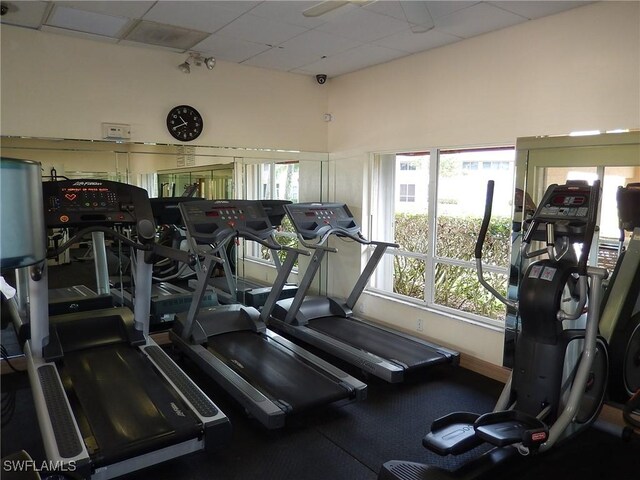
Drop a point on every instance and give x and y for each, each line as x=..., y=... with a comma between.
x=184, y=123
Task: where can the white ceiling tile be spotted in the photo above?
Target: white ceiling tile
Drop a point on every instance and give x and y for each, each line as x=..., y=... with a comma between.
x=280, y=59
x=319, y=43
x=261, y=30
x=289, y=12
x=135, y=9
x=203, y=16
x=350, y=37
x=537, y=9
x=84, y=21
x=240, y=6
x=351, y=60
x=363, y=25
x=25, y=14
x=410, y=42
x=440, y=9
x=72, y=33
x=476, y=20
x=390, y=9
x=228, y=48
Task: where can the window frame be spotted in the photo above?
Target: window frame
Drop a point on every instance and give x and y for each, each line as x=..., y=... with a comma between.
x=385, y=227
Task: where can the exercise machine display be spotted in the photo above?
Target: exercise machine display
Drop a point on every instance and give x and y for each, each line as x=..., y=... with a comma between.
x=268, y=375
x=559, y=376
x=231, y=288
x=329, y=324
x=108, y=399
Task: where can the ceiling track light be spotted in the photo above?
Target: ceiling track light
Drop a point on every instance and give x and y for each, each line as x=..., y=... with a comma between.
x=198, y=60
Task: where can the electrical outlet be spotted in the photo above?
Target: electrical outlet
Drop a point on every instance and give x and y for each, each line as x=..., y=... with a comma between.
x=361, y=308
x=419, y=324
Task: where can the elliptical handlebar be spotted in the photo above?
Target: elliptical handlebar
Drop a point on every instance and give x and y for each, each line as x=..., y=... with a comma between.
x=485, y=220
x=480, y=243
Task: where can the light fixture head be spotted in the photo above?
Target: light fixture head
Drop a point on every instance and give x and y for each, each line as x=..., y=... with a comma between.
x=196, y=59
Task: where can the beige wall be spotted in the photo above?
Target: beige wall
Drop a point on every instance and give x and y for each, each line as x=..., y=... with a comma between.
x=576, y=70
x=57, y=86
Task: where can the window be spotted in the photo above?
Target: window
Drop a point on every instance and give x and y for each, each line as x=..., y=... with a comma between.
x=407, y=192
x=273, y=181
x=436, y=221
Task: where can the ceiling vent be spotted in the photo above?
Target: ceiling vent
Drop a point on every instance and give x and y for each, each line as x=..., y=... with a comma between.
x=165, y=35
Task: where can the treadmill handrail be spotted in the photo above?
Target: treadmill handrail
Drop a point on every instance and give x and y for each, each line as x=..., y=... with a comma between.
x=98, y=228
x=341, y=232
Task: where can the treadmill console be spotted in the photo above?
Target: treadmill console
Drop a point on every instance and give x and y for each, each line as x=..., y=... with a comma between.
x=312, y=220
x=275, y=210
x=213, y=221
x=84, y=203
x=165, y=209
x=570, y=208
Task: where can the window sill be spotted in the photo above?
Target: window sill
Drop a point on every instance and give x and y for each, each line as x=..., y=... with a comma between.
x=476, y=320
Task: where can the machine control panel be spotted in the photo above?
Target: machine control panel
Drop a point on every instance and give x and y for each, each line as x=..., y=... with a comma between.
x=312, y=220
x=81, y=203
x=165, y=209
x=212, y=221
x=569, y=207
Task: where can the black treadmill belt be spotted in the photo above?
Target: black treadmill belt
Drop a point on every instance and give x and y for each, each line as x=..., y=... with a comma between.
x=385, y=344
x=127, y=405
x=275, y=372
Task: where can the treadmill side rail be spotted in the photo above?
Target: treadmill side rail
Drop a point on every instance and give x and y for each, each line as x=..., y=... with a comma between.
x=217, y=428
x=63, y=442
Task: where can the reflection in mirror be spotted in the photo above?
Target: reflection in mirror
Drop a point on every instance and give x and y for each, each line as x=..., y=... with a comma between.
x=176, y=170
x=541, y=161
x=295, y=179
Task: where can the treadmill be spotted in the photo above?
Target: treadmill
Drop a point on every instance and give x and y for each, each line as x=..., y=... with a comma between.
x=108, y=399
x=329, y=324
x=268, y=375
x=167, y=299
x=230, y=288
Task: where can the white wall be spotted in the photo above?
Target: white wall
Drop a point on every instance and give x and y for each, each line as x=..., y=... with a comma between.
x=578, y=70
x=58, y=86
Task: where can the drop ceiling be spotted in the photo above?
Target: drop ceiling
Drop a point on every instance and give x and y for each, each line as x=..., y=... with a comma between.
x=275, y=34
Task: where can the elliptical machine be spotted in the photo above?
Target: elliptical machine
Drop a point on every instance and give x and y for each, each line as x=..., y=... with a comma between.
x=559, y=376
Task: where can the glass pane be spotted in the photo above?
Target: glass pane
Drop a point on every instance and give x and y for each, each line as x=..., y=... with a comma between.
x=462, y=180
x=458, y=287
x=560, y=175
x=411, y=202
x=408, y=276
x=411, y=184
x=411, y=232
x=614, y=177
x=286, y=181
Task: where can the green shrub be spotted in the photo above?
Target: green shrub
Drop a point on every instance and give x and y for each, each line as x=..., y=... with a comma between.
x=455, y=286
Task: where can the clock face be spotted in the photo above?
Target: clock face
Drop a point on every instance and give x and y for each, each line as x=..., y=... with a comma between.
x=184, y=123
